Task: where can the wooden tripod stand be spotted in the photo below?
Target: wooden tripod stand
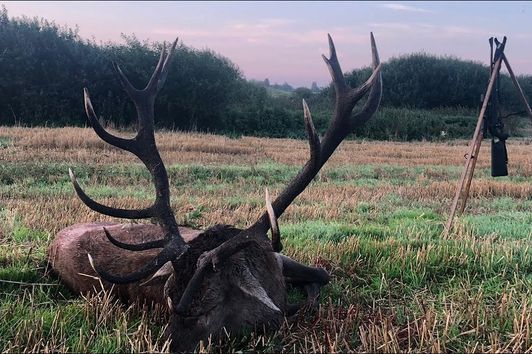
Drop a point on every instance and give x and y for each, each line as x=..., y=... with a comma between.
x=464, y=184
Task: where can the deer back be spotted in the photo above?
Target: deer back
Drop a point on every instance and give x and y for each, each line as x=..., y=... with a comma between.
x=68, y=258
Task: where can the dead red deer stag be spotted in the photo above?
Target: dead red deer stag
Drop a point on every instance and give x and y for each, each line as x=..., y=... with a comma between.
x=222, y=277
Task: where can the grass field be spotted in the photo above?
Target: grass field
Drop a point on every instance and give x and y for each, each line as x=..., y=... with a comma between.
x=373, y=218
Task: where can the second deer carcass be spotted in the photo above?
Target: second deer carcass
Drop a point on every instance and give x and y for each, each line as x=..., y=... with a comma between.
x=222, y=277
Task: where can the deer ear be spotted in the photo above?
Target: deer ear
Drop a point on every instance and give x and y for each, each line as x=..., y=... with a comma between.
x=161, y=275
x=252, y=287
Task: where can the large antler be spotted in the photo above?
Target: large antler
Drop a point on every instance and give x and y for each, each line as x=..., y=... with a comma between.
x=144, y=147
x=342, y=125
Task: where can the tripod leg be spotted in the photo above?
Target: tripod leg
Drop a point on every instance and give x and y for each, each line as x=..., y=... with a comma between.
x=518, y=87
x=469, y=174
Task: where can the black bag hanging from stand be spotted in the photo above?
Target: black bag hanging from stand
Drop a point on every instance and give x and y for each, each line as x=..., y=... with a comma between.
x=499, y=158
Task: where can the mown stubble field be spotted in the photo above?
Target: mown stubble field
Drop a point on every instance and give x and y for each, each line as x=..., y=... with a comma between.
x=373, y=218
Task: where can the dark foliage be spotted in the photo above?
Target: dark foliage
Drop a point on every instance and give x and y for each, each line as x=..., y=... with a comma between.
x=45, y=67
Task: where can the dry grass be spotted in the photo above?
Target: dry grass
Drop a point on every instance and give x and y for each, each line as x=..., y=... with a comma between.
x=83, y=146
x=373, y=218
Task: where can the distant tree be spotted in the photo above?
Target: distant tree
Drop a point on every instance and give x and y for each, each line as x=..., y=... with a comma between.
x=44, y=68
x=286, y=87
x=303, y=93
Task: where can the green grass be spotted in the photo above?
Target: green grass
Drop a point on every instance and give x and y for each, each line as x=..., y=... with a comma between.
x=386, y=256
x=505, y=223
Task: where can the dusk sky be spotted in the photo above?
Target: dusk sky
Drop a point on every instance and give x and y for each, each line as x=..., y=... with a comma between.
x=283, y=41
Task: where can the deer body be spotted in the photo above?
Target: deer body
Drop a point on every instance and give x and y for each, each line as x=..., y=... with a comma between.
x=67, y=256
x=219, y=278
x=80, y=240
x=225, y=292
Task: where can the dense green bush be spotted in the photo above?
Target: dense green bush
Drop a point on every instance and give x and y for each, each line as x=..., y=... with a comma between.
x=426, y=82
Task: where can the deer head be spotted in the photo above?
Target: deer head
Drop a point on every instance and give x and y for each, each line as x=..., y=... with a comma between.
x=226, y=277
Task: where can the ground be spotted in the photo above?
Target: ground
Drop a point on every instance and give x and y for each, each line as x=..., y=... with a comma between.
x=373, y=218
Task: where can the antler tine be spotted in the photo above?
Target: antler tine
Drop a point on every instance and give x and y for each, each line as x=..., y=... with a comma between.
x=126, y=85
x=125, y=144
x=158, y=78
x=375, y=93
x=155, y=76
x=334, y=68
x=166, y=65
x=104, y=209
x=374, y=52
x=274, y=225
x=346, y=97
x=313, y=138
x=356, y=94
x=343, y=124
x=167, y=254
x=134, y=247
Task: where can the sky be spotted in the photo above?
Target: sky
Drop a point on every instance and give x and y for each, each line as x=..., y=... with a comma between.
x=283, y=41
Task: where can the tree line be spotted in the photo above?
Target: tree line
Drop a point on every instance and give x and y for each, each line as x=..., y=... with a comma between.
x=44, y=67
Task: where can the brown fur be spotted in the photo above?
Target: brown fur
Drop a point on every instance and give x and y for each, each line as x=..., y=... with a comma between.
x=222, y=301
x=67, y=256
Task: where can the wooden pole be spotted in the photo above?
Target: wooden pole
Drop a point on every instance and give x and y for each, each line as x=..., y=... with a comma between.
x=474, y=148
x=469, y=175
x=517, y=86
